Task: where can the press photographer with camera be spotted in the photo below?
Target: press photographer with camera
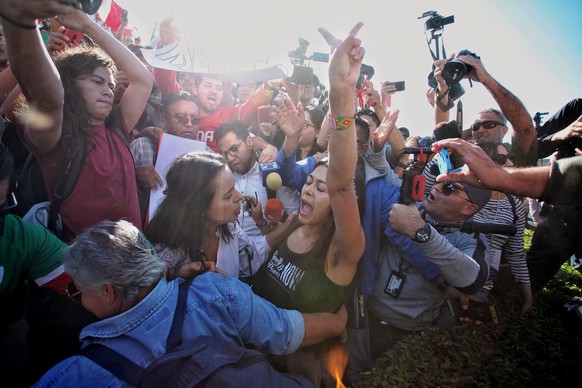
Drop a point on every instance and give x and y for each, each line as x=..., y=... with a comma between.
x=491, y=124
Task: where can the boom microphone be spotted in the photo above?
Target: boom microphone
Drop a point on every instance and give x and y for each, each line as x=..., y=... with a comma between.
x=479, y=227
x=274, y=210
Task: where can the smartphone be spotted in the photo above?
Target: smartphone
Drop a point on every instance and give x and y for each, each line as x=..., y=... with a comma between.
x=477, y=311
x=265, y=114
x=398, y=86
x=123, y=14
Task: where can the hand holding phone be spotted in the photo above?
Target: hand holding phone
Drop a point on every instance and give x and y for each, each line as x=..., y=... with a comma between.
x=392, y=87
x=477, y=311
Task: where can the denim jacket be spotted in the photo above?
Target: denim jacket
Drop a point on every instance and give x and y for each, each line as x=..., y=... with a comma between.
x=219, y=306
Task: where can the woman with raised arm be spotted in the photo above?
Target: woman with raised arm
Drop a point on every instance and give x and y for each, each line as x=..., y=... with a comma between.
x=70, y=109
x=315, y=264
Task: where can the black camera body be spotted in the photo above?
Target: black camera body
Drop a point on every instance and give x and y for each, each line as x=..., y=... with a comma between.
x=436, y=21
x=454, y=70
x=90, y=7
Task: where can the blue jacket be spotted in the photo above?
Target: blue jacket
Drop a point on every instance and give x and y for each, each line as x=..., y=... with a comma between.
x=218, y=306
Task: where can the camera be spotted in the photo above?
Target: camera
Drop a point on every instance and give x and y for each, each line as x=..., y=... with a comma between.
x=90, y=7
x=436, y=21
x=450, y=130
x=299, y=55
x=454, y=70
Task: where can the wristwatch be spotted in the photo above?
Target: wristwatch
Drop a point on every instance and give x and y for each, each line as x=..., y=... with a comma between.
x=422, y=235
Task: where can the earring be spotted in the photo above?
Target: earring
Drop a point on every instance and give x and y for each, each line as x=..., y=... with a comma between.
x=108, y=301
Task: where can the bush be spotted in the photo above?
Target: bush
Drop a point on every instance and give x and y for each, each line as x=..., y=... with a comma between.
x=543, y=348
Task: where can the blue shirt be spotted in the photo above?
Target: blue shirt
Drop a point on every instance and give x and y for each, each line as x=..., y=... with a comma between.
x=217, y=306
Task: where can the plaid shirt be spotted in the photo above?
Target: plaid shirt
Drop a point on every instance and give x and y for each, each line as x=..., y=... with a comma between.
x=144, y=150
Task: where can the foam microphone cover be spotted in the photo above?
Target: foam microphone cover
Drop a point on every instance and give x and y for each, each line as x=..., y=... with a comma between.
x=274, y=210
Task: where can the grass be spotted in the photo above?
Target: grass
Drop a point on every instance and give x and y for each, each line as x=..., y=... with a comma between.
x=540, y=349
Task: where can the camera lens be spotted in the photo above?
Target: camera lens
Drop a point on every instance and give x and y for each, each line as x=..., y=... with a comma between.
x=91, y=6
x=453, y=71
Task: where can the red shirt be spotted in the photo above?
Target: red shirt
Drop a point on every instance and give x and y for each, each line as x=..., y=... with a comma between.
x=106, y=189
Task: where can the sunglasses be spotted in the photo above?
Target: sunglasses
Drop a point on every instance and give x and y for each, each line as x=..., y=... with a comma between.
x=450, y=188
x=73, y=292
x=182, y=119
x=486, y=124
x=501, y=158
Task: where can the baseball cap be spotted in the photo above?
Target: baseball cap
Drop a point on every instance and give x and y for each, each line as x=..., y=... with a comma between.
x=477, y=196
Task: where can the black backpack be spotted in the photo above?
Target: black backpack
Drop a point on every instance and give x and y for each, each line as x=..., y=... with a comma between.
x=206, y=362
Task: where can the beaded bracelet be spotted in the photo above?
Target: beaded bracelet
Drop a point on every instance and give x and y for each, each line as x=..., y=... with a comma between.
x=18, y=24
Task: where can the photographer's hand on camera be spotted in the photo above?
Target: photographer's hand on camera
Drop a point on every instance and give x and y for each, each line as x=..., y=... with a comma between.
x=475, y=69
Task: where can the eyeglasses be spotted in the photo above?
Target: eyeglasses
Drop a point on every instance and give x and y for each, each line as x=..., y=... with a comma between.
x=232, y=151
x=308, y=124
x=501, y=158
x=73, y=292
x=449, y=188
x=486, y=124
x=183, y=119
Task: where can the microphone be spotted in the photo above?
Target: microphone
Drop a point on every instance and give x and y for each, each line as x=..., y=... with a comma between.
x=479, y=227
x=270, y=174
x=274, y=210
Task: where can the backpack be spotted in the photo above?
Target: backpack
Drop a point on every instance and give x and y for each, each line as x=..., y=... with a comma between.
x=206, y=362
x=34, y=205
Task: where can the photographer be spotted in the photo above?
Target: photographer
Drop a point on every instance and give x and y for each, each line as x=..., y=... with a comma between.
x=491, y=124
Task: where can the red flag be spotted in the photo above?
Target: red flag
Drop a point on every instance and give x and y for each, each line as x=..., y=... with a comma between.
x=113, y=19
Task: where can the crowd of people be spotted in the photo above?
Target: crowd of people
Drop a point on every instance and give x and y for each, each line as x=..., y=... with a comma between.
x=348, y=263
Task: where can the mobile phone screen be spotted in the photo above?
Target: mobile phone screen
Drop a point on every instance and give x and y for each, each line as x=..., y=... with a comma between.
x=477, y=311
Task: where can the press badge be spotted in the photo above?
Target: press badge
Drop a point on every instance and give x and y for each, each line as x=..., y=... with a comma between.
x=395, y=284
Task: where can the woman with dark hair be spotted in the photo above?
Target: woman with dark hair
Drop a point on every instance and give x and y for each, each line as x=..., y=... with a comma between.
x=505, y=209
x=313, y=267
x=308, y=140
x=70, y=109
x=194, y=228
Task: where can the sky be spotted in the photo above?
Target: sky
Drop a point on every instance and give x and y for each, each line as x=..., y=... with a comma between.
x=532, y=47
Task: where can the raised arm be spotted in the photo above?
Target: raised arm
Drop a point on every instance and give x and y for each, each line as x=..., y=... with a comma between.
x=348, y=242
x=140, y=79
x=524, y=137
x=42, y=87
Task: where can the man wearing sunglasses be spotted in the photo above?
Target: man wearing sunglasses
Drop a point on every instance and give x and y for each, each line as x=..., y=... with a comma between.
x=404, y=300
x=181, y=117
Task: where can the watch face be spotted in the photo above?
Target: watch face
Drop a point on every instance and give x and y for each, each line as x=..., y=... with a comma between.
x=422, y=234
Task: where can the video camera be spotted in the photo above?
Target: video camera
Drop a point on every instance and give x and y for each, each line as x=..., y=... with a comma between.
x=299, y=55
x=436, y=21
